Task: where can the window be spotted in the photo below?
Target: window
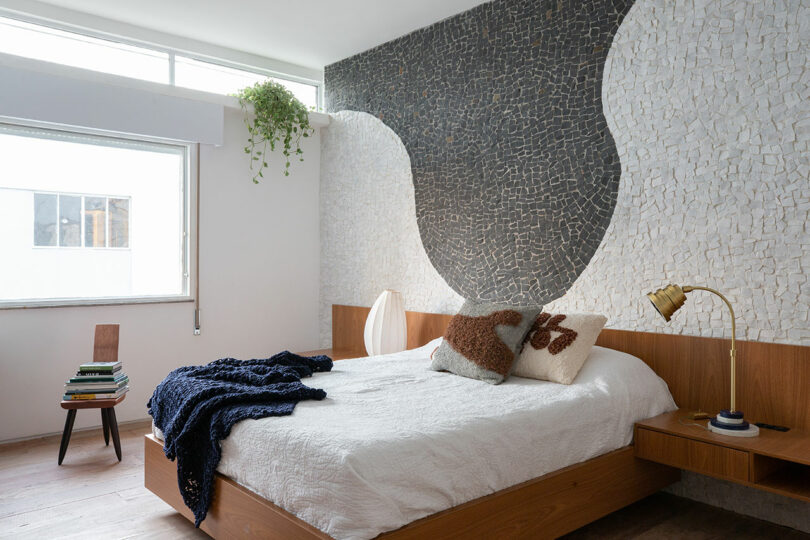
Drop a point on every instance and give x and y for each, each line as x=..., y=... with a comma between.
x=71, y=49
x=147, y=62
x=77, y=213
x=218, y=79
x=85, y=217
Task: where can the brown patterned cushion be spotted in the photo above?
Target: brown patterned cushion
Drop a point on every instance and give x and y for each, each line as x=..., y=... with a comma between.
x=482, y=341
x=558, y=345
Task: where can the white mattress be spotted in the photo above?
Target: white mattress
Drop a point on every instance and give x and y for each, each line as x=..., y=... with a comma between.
x=394, y=442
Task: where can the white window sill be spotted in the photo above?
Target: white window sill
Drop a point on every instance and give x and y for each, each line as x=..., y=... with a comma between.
x=111, y=301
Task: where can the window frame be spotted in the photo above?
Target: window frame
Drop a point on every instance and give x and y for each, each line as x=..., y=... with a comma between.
x=170, y=51
x=190, y=185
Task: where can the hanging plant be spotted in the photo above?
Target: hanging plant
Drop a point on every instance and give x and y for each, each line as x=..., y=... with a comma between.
x=280, y=119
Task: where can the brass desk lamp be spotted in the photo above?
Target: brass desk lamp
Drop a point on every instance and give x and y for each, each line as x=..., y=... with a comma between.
x=727, y=422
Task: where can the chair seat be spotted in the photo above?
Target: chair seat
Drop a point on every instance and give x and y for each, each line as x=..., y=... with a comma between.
x=91, y=403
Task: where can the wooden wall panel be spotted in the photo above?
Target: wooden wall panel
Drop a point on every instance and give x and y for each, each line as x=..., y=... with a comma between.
x=348, y=323
x=697, y=370
x=773, y=380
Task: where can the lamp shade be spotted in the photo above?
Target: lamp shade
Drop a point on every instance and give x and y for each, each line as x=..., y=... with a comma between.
x=386, y=329
x=668, y=300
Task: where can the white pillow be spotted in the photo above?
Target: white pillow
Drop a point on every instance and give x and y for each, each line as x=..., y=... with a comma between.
x=558, y=345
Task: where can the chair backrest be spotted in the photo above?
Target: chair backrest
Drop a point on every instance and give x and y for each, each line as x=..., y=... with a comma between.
x=105, y=346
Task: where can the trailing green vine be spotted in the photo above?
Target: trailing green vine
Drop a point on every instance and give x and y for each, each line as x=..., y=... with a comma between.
x=279, y=119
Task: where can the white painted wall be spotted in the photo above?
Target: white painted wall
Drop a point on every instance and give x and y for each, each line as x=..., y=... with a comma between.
x=259, y=260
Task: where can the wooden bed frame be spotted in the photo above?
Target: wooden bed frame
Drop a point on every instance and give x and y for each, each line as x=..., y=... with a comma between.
x=771, y=386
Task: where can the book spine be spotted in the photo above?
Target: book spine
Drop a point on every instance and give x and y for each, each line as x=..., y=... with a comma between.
x=96, y=384
x=91, y=389
x=73, y=397
x=84, y=389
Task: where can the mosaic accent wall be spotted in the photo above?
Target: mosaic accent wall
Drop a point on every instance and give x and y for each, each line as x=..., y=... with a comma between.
x=709, y=105
x=514, y=168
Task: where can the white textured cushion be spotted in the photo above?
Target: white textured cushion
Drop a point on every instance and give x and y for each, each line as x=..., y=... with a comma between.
x=558, y=345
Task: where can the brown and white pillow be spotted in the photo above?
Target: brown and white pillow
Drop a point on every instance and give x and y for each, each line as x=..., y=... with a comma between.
x=558, y=345
x=483, y=340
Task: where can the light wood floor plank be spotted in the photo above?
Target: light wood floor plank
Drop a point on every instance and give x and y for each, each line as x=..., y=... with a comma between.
x=91, y=495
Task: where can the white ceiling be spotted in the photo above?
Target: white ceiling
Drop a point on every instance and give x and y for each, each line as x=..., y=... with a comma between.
x=310, y=33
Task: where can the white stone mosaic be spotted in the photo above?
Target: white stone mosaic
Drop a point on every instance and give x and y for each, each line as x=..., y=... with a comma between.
x=743, y=500
x=369, y=237
x=709, y=105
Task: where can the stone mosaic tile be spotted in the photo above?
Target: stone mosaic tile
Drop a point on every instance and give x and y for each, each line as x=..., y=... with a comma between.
x=515, y=171
x=744, y=500
x=369, y=237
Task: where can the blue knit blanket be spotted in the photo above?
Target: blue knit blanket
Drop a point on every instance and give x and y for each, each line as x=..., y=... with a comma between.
x=196, y=406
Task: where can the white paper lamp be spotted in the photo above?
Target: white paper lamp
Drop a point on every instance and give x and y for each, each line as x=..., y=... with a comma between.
x=386, y=329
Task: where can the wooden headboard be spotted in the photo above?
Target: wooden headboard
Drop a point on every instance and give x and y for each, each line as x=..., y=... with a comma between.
x=773, y=380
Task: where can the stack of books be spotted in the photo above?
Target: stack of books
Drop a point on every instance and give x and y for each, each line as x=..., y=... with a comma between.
x=97, y=380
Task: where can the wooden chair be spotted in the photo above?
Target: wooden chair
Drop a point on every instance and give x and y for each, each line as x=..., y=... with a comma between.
x=105, y=349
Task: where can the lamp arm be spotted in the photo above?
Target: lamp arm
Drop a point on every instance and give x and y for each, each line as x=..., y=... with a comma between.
x=733, y=352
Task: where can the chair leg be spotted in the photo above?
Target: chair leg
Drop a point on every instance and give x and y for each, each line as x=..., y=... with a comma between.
x=105, y=425
x=71, y=416
x=114, y=431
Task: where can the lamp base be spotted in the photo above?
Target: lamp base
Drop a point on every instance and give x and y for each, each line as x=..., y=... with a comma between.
x=732, y=424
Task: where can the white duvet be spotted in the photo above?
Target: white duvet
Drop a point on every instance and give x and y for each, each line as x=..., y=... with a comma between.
x=394, y=442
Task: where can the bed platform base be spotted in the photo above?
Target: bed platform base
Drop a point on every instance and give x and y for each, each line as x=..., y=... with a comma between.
x=545, y=507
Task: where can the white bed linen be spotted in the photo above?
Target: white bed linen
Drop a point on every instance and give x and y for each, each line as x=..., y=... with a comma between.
x=394, y=442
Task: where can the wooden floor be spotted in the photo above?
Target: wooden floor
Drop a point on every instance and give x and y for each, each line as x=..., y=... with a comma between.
x=93, y=496
x=669, y=517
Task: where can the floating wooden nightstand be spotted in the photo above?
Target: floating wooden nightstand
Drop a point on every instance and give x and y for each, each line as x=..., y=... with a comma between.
x=775, y=461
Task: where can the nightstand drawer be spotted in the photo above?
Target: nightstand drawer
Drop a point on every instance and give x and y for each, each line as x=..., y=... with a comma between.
x=692, y=455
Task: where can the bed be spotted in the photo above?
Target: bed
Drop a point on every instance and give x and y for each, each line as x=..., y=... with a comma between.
x=405, y=442
x=402, y=451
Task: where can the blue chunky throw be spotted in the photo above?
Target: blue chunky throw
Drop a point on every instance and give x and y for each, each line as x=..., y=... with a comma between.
x=196, y=406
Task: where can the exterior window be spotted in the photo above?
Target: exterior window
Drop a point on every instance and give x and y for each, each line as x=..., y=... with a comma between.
x=149, y=63
x=95, y=221
x=45, y=219
x=85, y=217
x=71, y=211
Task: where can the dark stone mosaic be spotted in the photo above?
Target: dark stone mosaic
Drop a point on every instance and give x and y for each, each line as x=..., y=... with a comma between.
x=515, y=171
